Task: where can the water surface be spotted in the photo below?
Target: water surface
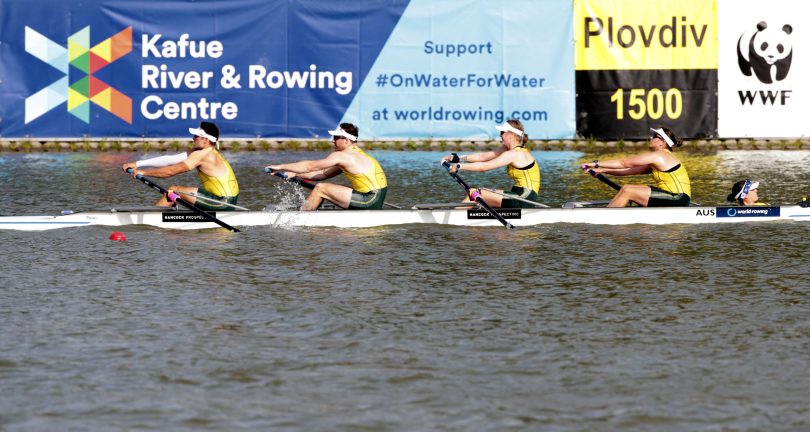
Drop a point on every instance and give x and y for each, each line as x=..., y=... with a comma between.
x=561, y=327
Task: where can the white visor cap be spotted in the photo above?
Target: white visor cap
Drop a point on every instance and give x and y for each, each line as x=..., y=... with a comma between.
x=746, y=189
x=201, y=133
x=339, y=132
x=663, y=135
x=506, y=127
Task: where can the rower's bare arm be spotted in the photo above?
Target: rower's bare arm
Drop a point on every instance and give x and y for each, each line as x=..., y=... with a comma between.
x=300, y=167
x=486, y=156
x=504, y=159
x=168, y=171
x=156, y=162
x=304, y=167
x=644, y=159
x=625, y=171
x=320, y=175
x=192, y=162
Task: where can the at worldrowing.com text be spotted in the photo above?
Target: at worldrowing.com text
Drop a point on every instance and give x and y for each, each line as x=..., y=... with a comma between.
x=473, y=115
x=470, y=80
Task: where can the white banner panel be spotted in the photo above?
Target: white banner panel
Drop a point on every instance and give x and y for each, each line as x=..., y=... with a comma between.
x=764, y=62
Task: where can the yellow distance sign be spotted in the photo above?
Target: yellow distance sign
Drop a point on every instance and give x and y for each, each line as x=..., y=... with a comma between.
x=645, y=35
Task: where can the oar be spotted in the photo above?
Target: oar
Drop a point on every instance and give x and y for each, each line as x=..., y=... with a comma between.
x=604, y=179
x=176, y=198
x=476, y=196
x=306, y=184
x=295, y=180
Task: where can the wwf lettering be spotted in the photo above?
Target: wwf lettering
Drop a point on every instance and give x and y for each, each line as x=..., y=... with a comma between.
x=765, y=97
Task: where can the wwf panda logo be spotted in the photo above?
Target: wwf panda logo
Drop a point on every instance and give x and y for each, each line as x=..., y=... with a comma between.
x=767, y=52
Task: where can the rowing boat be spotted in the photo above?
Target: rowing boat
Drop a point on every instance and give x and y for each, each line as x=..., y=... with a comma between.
x=441, y=214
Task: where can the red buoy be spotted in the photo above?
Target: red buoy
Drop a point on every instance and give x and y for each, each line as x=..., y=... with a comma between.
x=118, y=236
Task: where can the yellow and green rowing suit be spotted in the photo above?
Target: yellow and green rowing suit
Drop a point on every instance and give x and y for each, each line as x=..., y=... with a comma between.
x=223, y=188
x=672, y=188
x=527, y=184
x=369, y=188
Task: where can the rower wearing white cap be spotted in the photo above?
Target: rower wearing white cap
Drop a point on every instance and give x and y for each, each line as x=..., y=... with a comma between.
x=520, y=165
x=365, y=174
x=220, y=190
x=672, y=186
x=745, y=193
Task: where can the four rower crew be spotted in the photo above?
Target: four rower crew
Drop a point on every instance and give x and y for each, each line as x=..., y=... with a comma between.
x=520, y=166
x=673, y=188
x=369, y=184
x=220, y=190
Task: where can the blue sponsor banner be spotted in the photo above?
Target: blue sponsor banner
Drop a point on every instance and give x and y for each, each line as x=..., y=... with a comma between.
x=105, y=68
x=259, y=68
x=747, y=212
x=457, y=68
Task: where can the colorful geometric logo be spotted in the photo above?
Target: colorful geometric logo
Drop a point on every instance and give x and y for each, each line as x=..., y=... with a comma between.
x=80, y=93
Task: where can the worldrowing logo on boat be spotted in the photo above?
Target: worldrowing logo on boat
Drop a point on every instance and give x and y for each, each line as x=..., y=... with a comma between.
x=744, y=212
x=87, y=61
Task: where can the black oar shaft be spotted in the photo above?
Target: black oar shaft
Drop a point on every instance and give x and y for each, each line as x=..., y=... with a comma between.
x=477, y=197
x=604, y=179
x=176, y=198
x=294, y=180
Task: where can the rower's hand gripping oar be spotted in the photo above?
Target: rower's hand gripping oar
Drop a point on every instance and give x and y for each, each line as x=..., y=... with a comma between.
x=295, y=180
x=176, y=198
x=476, y=196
